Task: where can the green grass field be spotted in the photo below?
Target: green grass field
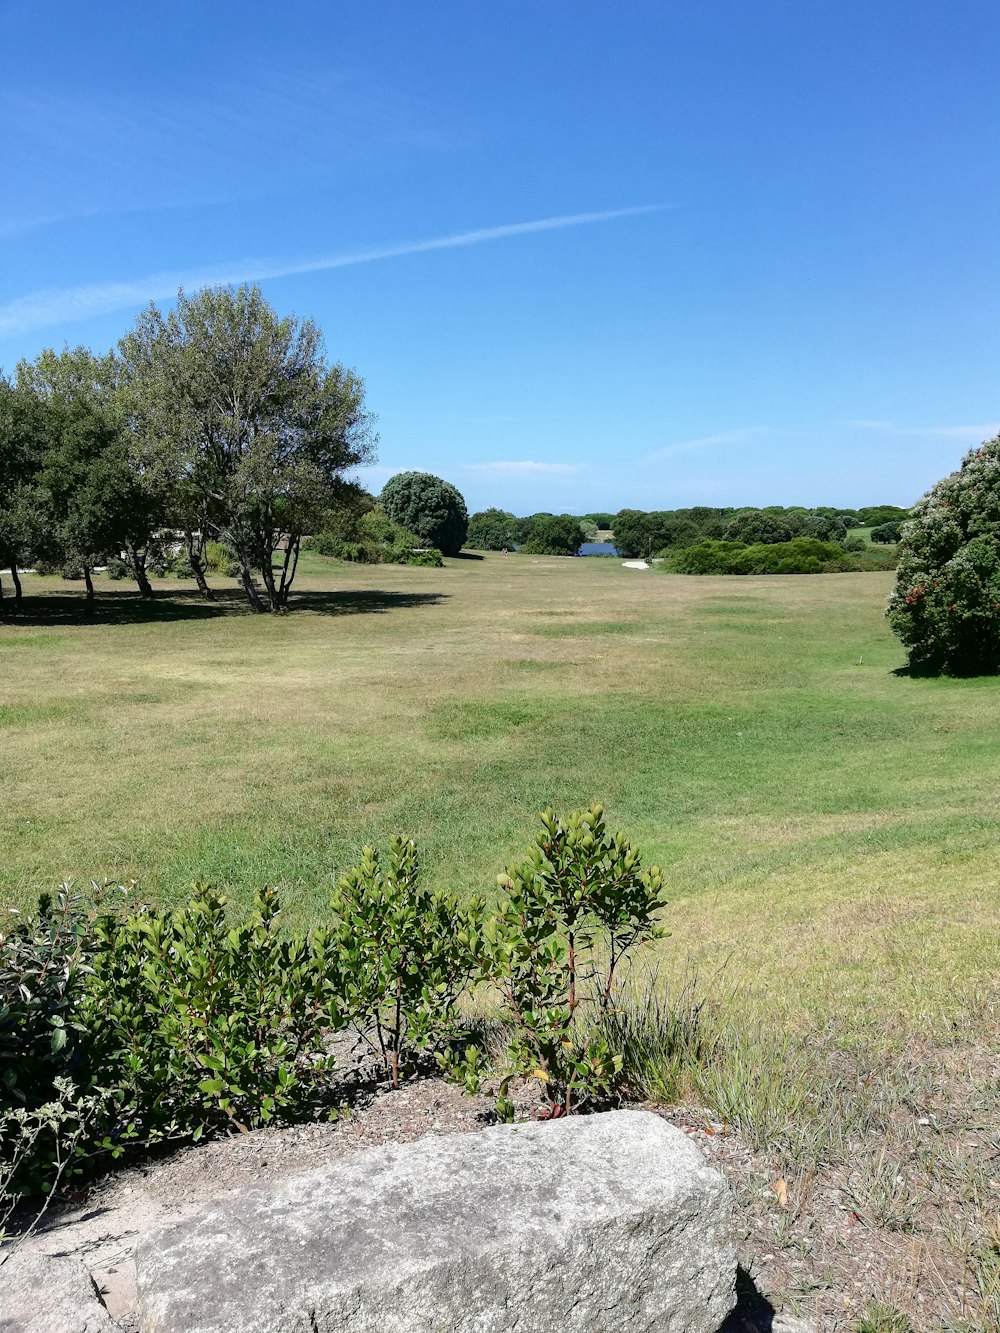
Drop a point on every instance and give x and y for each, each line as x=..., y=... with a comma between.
x=828, y=825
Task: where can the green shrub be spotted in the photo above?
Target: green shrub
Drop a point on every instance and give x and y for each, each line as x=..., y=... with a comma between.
x=200, y=1024
x=427, y=558
x=44, y=963
x=221, y=559
x=376, y=540
x=946, y=603
x=855, y=543
x=431, y=508
x=804, y=555
x=706, y=557
x=886, y=534
x=554, y=534
x=578, y=905
x=117, y=569
x=406, y=954
x=491, y=530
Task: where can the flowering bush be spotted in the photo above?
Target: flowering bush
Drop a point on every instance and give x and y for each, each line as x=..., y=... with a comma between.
x=946, y=603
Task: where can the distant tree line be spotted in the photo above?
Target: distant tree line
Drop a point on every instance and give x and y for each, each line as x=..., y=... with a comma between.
x=217, y=422
x=642, y=533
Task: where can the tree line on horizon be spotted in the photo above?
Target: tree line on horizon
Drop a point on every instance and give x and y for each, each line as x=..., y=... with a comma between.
x=643, y=533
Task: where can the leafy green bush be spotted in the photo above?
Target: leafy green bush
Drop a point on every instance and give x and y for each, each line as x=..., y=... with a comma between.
x=946, y=603
x=123, y=1024
x=407, y=955
x=44, y=963
x=117, y=569
x=431, y=508
x=577, y=907
x=554, y=534
x=804, y=555
x=200, y=1024
x=755, y=527
x=886, y=534
x=706, y=557
x=491, y=530
x=376, y=540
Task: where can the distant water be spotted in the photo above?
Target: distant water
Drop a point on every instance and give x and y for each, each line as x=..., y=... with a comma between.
x=598, y=548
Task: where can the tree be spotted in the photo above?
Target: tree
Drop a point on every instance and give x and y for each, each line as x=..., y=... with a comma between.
x=255, y=429
x=886, y=533
x=636, y=533
x=25, y=520
x=491, y=530
x=876, y=514
x=554, y=534
x=754, y=527
x=428, y=506
x=945, y=606
x=825, y=527
x=100, y=502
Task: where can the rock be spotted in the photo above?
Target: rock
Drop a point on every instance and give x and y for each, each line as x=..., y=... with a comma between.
x=585, y=1225
x=44, y=1293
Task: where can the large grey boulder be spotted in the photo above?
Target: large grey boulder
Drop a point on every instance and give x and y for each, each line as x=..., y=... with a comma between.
x=605, y=1222
x=44, y=1293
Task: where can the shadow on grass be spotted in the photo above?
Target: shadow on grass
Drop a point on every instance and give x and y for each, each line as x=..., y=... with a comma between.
x=128, y=608
x=923, y=671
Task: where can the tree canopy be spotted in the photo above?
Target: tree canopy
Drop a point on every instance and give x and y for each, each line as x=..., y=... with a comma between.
x=428, y=506
x=554, y=534
x=945, y=606
x=492, y=530
x=240, y=408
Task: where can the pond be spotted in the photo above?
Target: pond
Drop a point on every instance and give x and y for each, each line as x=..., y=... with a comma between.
x=598, y=548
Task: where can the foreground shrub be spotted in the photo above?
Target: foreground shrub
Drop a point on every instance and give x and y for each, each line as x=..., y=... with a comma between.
x=406, y=954
x=199, y=1024
x=946, y=603
x=44, y=964
x=578, y=905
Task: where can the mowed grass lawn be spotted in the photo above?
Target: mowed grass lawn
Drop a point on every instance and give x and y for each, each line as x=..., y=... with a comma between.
x=828, y=826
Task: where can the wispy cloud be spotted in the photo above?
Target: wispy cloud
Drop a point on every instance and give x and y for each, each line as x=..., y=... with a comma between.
x=54, y=306
x=524, y=467
x=981, y=432
x=722, y=437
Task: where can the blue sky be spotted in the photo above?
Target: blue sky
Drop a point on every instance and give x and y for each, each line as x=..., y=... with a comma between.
x=585, y=254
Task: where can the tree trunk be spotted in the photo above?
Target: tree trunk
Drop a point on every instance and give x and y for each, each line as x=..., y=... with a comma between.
x=288, y=568
x=138, y=563
x=15, y=579
x=195, y=550
x=267, y=574
x=89, y=582
x=253, y=596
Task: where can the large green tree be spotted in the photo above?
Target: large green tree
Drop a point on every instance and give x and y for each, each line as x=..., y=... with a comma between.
x=554, y=534
x=492, y=530
x=101, y=504
x=25, y=511
x=240, y=408
x=428, y=506
x=946, y=603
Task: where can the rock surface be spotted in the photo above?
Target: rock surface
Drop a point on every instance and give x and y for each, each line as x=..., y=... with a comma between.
x=606, y=1222
x=43, y=1293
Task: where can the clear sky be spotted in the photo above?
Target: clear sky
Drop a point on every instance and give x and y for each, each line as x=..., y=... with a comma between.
x=586, y=254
